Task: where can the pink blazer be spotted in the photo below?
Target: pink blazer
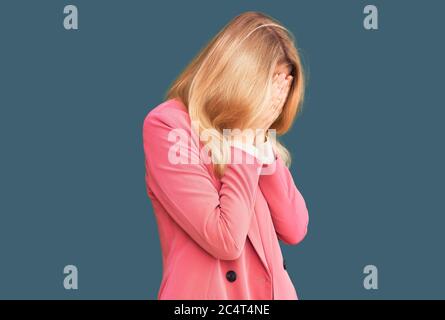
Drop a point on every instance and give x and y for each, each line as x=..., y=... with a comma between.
x=219, y=237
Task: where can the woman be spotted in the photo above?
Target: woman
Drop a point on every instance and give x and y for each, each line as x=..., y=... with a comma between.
x=219, y=219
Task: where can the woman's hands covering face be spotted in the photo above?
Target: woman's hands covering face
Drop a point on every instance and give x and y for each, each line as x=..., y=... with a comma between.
x=281, y=86
x=280, y=89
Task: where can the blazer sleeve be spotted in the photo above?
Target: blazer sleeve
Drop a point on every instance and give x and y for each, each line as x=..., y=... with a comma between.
x=287, y=206
x=218, y=220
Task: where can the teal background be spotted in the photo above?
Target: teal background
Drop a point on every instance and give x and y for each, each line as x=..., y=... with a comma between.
x=367, y=149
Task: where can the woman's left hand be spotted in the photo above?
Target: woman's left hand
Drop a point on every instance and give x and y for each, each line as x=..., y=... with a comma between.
x=281, y=86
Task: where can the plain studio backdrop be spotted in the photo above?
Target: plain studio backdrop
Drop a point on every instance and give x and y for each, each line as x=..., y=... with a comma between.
x=367, y=148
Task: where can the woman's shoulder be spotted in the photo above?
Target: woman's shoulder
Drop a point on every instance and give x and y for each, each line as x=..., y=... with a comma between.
x=172, y=113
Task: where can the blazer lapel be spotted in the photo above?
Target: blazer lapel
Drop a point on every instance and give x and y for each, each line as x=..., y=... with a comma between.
x=254, y=236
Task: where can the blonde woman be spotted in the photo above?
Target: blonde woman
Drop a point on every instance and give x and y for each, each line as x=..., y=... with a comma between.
x=220, y=220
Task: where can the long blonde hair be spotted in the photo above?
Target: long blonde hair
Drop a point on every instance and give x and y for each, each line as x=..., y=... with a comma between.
x=228, y=84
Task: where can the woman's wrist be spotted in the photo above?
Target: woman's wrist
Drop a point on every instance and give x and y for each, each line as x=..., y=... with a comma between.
x=257, y=145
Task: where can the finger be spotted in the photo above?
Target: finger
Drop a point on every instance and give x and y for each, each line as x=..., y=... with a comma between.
x=279, y=80
x=283, y=87
x=283, y=96
x=285, y=91
x=275, y=84
x=275, y=77
x=287, y=86
x=279, y=88
x=290, y=79
x=282, y=80
x=280, y=92
x=287, y=80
